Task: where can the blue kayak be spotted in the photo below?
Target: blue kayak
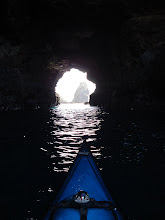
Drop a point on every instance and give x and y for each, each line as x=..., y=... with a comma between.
x=84, y=194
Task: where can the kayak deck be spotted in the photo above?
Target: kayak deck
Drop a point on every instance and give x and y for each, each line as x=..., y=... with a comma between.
x=85, y=178
x=94, y=214
x=84, y=175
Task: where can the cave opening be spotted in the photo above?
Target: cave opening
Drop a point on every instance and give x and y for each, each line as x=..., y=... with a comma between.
x=74, y=87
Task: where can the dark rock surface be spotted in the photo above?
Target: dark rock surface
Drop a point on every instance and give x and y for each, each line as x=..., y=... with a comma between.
x=121, y=44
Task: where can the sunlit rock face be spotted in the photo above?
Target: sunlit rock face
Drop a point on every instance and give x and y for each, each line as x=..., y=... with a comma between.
x=74, y=87
x=82, y=93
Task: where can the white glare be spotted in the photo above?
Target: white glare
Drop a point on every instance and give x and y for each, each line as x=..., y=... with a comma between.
x=72, y=84
x=73, y=106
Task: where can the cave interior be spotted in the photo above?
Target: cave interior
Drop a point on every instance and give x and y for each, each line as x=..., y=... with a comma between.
x=120, y=44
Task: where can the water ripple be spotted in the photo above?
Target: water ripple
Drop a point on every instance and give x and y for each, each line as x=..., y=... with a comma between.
x=70, y=125
x=113, y=141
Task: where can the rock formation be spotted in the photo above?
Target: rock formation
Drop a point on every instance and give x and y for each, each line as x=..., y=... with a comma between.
x=121, y=44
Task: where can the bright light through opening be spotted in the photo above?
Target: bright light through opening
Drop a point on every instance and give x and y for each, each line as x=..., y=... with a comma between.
x=74, y=87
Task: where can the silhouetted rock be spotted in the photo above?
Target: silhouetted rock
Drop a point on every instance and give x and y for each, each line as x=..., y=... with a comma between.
x=82, y=94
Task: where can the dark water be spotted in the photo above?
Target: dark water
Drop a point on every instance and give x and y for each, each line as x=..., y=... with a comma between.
x=38, y=147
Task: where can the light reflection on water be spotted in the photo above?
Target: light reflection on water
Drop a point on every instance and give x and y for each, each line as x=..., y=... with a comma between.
x=70, y=125
x=112, y=140
x=119, y=142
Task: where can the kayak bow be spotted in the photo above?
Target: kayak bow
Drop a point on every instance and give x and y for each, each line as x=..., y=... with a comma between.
x=84, y=194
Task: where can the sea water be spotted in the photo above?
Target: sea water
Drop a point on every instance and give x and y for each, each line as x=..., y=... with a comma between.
x=38, y=147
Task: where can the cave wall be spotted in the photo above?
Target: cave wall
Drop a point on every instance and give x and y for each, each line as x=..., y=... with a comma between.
x=121, y=47
x=142, y=59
